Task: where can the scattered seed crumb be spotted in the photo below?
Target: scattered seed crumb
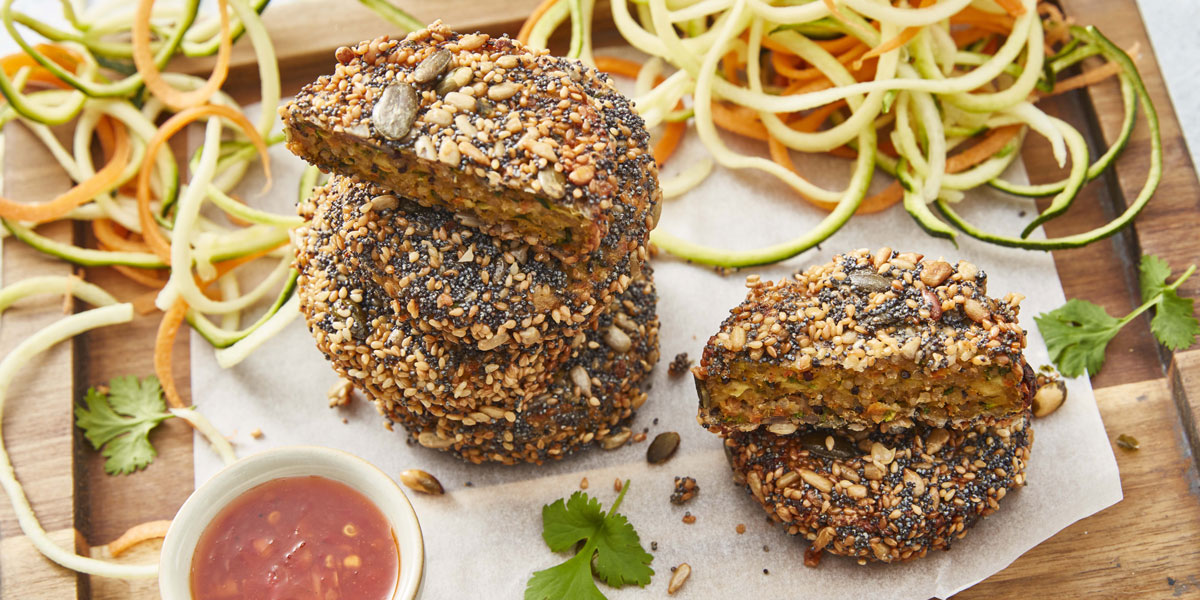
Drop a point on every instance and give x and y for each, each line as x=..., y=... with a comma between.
x=645, y=430
x=655, y=421
x=469, y=484
x=1021, y=214
x=345, y=421
x=679, y=365
x=689, y=518
x=685, y=490
x=1128, y=442
x=617, y=485
x=1171, y=581
x=639, y=438
x=256, y=434
x=340, y=393
x=673, y=569
x=583, y=483
x=654, y=546
x=766, y=548
x=812, y=558
x=766, y=572
x=741, y=528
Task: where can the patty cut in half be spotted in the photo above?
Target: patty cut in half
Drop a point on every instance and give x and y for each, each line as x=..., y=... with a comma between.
x=877, y=496
x=469, y=287
x=595, y=391
x=517, y=143
x=867, y=340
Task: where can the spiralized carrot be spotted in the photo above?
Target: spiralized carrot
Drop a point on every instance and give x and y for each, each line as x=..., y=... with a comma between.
x=152, y=78
x=150, y=530
x=1085, y=79
x=534, y=17
x=164, y=348
x=81, y=194
x=992, y=143
x=144, y=277
x=106, y=233
x=903, y=38
x=739, y=120
x=155, y=239
x=64, y=57
x=995, y=23
x=1012, y=7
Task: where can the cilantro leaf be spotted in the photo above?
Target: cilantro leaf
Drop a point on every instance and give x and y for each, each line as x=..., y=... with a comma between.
x=610, y=539
x=565, y=524
x=1076, y=335
x=1174, y=322
x=571, y=579
x=1152, y=276
x=620, y=558
x=1078, y=332
x=118, y=423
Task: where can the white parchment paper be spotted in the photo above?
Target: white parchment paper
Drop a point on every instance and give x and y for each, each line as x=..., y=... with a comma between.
x=483, y=537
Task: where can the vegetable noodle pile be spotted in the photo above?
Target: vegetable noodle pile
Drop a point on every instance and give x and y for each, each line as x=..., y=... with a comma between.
x=937, y=94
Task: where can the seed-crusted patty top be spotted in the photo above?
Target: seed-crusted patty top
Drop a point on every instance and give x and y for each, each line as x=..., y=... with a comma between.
x=849, y=311
x=470, y=287
x=515, y=118
x=855, y=318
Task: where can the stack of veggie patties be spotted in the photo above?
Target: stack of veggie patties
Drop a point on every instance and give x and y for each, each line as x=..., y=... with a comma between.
x=476, y=264
x=877, y=405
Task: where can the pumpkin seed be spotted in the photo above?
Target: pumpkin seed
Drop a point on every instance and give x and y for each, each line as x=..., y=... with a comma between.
x=662, y=448
x=395, y=111
x=432, y=66
x=1049, y=398
x=867, y=281
x=416, y=479
x=454, y=81
x=815, y=442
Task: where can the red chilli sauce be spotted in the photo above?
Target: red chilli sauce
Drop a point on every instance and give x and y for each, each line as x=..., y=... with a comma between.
x=297, y=538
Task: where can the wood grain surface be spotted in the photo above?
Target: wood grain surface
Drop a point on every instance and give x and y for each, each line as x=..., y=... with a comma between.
x=1147, y=546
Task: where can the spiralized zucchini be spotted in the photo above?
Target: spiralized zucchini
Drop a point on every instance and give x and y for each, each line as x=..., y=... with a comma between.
x=947, y=90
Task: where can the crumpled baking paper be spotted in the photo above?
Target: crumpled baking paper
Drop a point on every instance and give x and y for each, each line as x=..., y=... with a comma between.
x=483, y=537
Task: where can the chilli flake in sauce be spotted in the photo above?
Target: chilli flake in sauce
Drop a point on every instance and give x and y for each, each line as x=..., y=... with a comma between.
x=297, y=538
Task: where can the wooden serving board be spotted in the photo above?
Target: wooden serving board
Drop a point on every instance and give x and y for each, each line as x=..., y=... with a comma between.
x=1147, y=546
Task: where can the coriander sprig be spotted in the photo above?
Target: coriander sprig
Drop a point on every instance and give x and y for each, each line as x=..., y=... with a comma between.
x=1078, y=332
x=118, y=421
x=613, y=542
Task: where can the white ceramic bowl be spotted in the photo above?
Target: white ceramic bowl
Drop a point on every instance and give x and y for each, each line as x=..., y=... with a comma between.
x=291, y=461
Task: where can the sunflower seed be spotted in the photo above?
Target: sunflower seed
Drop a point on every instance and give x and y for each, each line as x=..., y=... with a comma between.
x=416, y=479
x=618, y=340
x=579, y=376
x=616, y=440
x=432, y=66
x=663, y=447
x=431, y=440
x=552, y=182
x=395, y=111
x=679, y=577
